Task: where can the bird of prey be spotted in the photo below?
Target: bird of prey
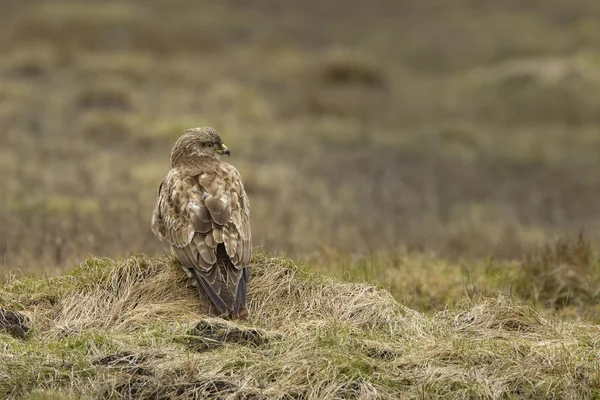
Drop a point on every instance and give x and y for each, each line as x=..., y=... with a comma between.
x=203, y=212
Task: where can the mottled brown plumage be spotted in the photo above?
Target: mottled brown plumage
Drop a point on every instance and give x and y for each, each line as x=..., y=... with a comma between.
x=203, y=212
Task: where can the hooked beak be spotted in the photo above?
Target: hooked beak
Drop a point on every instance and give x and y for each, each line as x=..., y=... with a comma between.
x=224, y=150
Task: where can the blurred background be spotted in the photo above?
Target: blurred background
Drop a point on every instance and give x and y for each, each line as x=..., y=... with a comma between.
x=465, y=129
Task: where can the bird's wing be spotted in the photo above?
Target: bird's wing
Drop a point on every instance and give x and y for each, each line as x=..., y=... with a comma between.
x=230, y=210
x=198, y=211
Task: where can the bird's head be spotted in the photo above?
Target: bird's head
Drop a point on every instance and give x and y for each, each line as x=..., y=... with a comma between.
x=203, y=141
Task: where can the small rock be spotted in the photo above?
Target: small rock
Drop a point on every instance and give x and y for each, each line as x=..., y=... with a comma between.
x=14, y=323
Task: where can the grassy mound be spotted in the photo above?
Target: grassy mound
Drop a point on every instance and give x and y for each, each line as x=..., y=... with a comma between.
x=134, y=329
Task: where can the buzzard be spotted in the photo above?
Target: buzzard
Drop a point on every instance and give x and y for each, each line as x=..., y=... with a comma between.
x=203, y=212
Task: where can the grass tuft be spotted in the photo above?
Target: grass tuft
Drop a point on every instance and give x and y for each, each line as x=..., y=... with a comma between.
x=565, y=274
x=107, y=94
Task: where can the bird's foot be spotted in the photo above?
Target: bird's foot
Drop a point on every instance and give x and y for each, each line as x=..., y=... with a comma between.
x=242, y=314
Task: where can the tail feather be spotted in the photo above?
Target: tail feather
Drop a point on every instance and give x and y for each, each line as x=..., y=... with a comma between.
x=224, y=285
x=240, y=297
x=205, y=287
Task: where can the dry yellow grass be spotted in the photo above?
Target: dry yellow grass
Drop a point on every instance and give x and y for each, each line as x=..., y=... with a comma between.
x=132, y=329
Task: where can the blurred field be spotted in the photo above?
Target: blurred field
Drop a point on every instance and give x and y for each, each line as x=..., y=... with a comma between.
x=374, y=140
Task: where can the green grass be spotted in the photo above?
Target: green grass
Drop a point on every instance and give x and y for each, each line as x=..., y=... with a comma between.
x=562, y=276
x=129, y=329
